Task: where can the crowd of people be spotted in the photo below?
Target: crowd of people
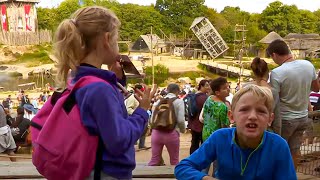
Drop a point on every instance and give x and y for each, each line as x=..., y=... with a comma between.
x=14, y=126
x=253, y=134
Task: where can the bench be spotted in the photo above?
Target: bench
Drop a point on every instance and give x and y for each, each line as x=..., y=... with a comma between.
x=26, y=170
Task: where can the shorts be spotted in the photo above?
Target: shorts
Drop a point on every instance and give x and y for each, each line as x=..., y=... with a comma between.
x=292, y=132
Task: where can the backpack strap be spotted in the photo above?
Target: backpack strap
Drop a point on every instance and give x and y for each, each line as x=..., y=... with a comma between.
x=99, y=161
x=71, y=100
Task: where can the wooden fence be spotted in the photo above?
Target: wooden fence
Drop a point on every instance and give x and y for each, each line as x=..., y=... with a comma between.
x=25, y=38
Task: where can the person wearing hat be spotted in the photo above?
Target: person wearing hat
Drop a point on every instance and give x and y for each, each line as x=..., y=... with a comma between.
x=29, y=111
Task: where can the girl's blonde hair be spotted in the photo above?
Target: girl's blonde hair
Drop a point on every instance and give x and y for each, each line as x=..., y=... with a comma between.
x=264, y=94
x=77, y=36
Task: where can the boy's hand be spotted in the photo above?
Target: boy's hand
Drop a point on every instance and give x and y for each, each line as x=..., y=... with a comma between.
x=208, y=178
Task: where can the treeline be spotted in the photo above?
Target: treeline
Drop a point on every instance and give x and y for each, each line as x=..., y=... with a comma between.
x=175, y=18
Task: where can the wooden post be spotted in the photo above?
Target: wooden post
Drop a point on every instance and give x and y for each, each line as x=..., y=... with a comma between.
x=152, y=59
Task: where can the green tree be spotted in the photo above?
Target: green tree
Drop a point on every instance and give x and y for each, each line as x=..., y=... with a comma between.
x=308, y=22
x=132, y=28
x=65, y=9
x=281, y=18
x=179, y=14
x=254, y=33
x=317, y=15
x=46, y=18
x=235, y=16
x=217, y=20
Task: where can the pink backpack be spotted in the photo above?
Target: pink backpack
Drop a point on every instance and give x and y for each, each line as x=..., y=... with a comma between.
x=63, y=148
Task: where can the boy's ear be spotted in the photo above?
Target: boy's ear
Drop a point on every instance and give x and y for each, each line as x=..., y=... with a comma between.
x=217, y=93
x=271, y=119
x=230, y=115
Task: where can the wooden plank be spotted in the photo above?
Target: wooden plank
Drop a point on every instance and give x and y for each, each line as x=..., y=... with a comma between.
x=144, y=171
x=26, y=170
x=16, y=156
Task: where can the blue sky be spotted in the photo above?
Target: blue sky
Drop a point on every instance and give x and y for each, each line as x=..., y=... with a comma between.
x=256, y=6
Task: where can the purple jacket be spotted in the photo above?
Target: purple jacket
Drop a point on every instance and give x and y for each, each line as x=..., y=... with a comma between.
x=103, y=113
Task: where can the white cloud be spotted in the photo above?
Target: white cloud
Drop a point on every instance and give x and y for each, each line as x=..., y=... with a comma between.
x=256, y=6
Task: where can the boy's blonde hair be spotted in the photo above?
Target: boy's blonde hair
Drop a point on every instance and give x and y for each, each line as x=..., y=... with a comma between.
x=262, y=93
x=76, y=37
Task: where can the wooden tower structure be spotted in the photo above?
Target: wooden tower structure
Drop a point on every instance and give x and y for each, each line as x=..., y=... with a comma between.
x=209, y=37
x=18, y=15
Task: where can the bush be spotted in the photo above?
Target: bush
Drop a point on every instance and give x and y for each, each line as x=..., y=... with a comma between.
x=123, y=48
x=315, y=62
x=161, y=73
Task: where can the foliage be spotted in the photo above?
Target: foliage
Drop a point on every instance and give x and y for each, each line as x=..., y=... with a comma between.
x=45, y=18
x=316, y=63
x=161, y=73
x=175, y=18
x=132, y=29
x=179, y=14
x=65, y=9
x=281, y=18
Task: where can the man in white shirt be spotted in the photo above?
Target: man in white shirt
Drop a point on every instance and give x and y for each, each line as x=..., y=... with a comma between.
x=293, y=80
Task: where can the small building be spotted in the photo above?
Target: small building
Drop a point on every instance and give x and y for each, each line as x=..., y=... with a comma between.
x=267, y=40
x=303, y=45
x=148, y=42
x=18, y=15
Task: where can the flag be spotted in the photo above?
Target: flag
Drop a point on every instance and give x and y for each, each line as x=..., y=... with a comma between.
x=4, y=18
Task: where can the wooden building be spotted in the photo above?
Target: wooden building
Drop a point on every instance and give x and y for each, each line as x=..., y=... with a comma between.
x=303, y=45
x=18, y=15
x=148, y=42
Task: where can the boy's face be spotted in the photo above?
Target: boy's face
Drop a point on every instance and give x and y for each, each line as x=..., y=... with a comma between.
x=251, y=116
x=224, y=91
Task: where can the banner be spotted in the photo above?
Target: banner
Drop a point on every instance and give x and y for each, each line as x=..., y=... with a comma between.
x=4, y=18
x=27, y=16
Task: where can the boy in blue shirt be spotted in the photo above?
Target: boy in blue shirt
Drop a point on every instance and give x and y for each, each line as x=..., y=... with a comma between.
x=246, y=152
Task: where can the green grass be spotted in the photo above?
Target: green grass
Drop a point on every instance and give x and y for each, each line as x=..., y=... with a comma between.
x=316, y=63
x=38, y=56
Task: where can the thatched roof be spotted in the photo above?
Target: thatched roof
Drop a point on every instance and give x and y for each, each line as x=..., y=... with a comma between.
x=270, y=37
x=143, y=43
x=148, y=38
x=302, y=36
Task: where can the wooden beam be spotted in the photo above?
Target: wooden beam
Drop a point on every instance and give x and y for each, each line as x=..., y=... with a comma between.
x=26, y=170
x=124, y=42
x=15, y=156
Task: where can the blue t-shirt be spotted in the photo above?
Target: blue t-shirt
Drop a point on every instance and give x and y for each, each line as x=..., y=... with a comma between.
x=270, y=160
